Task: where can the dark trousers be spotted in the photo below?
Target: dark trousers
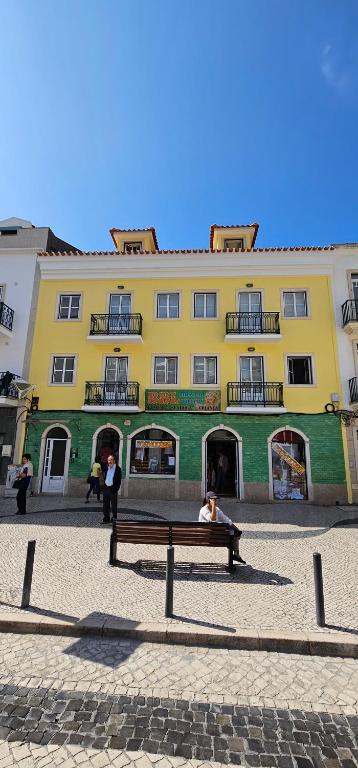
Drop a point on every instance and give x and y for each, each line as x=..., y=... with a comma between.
x=94, y=487
x=21, y=500
x=109, y=502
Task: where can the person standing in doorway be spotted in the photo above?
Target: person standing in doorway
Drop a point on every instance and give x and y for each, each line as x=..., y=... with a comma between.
x=24, y=479
x=223, y=466
x=112, y=484
x=94, y=480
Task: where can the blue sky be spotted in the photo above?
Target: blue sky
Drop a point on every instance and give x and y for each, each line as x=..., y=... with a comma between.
x=180, y=114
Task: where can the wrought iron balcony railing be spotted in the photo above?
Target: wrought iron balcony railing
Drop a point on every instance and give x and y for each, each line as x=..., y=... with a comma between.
x=111, y=393
x=353, y=390
x=350, y=311
x=7, y=388
x=261, y=394
x=116, y=325
x=252, y=322
x=6, y=316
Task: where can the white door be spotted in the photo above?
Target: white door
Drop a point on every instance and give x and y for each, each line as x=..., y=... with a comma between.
x=119, y=309
x=251, y=379
x=53, y=479
x=250, y=305
x=116, y=376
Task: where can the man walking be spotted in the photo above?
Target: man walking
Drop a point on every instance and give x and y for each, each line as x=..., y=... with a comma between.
x=112, y=484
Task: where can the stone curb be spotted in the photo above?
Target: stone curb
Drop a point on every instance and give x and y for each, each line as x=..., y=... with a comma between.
x=307, y=643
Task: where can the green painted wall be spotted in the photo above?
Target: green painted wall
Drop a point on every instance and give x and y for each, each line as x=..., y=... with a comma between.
x=322, y=430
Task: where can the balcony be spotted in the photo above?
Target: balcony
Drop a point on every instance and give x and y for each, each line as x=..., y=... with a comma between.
x=253, y=326
x=9, y=395
x=112, y=396
x=350, y=316
x=353, y=390
x=255, y=397
x=6, y=320
x=115, y=327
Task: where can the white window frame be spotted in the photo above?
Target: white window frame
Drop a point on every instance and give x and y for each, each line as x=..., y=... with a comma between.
x=205, y=293
x=64, y=355
x=307, y=316
x=132, y=246
x=167, y=293
x=228, y=239
x=104, y=364
x=58, y=305
x=205, y=355
x=166, y=383
x=313, y=369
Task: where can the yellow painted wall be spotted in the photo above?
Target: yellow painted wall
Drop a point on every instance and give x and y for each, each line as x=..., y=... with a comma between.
x=314, y=335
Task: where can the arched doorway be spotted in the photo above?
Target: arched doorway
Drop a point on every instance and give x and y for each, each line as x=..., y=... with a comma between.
x=289, y=463
x=107, y=443
x=55, y=462
x=222, y=463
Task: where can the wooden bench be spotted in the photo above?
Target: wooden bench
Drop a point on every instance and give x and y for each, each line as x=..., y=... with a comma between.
x=168, y=533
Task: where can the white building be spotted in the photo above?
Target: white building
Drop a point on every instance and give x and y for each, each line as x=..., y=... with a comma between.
x=20, y=242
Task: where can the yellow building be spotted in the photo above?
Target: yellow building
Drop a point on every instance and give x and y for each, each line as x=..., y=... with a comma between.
x=200, y=369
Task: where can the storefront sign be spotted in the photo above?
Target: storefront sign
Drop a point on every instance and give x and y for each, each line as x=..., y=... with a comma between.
x=182, y=400
x=154, y=443
x=288, y=459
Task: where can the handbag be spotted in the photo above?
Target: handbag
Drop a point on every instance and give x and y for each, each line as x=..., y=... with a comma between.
x=16, y=484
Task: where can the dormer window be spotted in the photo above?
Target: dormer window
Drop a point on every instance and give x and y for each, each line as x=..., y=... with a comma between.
x=8, y=231
x=234, y=244
x=132, y=246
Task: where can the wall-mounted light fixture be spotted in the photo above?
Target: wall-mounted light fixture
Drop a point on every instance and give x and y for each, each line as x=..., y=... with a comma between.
x=74, y=454
x=116, y=349
x=120, y=287
x=251, y=349
x=249, y=285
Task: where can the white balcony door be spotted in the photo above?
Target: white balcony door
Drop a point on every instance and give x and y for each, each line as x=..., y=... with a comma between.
x=252, y=378
x=250, y=303
x=116, y=374
x=119, y=304
x=54, y=465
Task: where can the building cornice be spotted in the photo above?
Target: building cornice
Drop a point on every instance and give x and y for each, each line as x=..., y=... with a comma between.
x=191, y=264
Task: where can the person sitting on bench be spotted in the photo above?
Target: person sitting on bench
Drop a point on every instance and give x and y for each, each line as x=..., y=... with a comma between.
x=210, y=513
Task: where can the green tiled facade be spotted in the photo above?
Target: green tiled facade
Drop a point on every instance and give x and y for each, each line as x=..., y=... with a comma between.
x=322, y=430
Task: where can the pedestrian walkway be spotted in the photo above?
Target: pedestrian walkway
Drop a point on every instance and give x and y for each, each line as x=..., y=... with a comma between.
x=102, y=702
x=273, y=592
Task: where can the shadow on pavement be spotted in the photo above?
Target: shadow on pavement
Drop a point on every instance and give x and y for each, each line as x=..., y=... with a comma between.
x=154, y=569
x=208, y=624
x=85, y=516
x=96, y=650
x=42, y=612
x=336, y=628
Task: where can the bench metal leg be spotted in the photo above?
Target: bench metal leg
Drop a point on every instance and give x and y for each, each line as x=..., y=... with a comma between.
x=112, y=550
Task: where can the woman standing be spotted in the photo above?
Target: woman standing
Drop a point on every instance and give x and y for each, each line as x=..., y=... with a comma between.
x=24, y=479
x=210, y=513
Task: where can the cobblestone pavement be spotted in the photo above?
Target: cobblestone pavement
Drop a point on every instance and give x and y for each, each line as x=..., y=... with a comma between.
x=97, y=702
x=274, y=591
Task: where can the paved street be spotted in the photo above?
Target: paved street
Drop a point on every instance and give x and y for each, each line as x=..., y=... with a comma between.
x=274, y=591
x=96, y=702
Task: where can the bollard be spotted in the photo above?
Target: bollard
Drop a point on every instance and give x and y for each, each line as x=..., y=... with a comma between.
x=169, y=583
x=26, y=590
x=318, y=588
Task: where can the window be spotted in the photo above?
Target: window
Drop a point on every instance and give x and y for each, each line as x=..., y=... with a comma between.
x=295, y=303
x=205, y=370
x=204, y=304
x=288, y=457
x=69, y=306
x=165, y=370
x=133, y=247
x=63, y=370
x=233, y=244
x=299, y=370
x=153, y=452
x=2, y=292
x=167, y=305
